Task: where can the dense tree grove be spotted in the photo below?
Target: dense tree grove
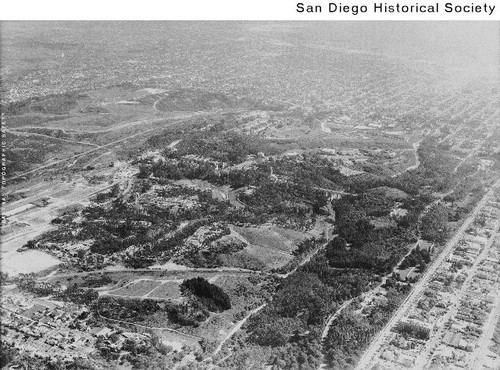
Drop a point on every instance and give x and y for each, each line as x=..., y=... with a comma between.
x=360, y=245
x=417, y=257
x=414, y=330
x=434, y=226
x=212, y=296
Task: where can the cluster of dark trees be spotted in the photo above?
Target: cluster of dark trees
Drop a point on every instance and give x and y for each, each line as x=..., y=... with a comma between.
x=306, y=246
x=4, y=278
x=210, y=295
x=96, y=281
x=7, y=354
x=413, y=330
x=434, y=224
x=28, y=283
x=133, y=310
x=436, y=169
x=361, y=245
x=83, y=296
x=216, y=255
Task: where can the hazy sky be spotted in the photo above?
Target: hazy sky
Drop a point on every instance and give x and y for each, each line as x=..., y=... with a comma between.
x=454, y=43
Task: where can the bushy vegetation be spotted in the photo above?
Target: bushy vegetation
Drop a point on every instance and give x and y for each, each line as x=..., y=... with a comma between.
x=73, y=293
x=417, y=257
x=210, y=295
x=220, y=143
x=434, y=225
x=360, y=245
x=411, y=329
x=152, y=312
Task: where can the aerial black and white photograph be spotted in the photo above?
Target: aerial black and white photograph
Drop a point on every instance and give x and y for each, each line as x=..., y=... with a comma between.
x=194, y=195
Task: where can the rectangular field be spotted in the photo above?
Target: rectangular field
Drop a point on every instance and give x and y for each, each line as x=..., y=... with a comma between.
x=168, y=290
x=137, y=289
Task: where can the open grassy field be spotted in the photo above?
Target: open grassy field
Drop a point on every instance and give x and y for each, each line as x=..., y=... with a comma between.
x=268, y=246
x=169, y=289
x=272, y=258
x=271, y=237
x=137, y=289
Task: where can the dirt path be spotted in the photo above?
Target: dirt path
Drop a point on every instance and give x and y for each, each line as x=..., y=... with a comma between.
x=237, y=327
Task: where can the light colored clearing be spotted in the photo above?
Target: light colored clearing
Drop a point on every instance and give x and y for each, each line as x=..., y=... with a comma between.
x=176, y=346
x=169, y=266
x=271, y=237
x=173, y=144
x=166, y=290
x=346, y=171
x=20, y=209
x=220, y=193
x=324, y=128
x=150, y=90
x=138, y=288
x=26, y=262
x=127, y=102
x=273, y=258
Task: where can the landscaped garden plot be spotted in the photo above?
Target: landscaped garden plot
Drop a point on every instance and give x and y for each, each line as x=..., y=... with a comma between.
x=168, y=290
x=137, y=289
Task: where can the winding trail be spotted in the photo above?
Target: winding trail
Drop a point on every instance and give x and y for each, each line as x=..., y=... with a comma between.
x=237, y=327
